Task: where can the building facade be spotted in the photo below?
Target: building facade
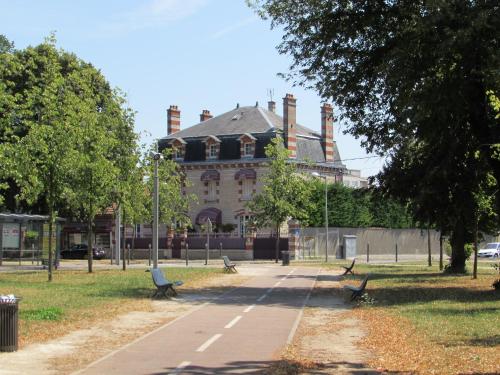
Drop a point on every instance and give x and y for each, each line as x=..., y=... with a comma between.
x=223, y=157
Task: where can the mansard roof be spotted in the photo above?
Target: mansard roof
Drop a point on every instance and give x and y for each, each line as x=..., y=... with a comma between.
x=259, y=123
x=239, y=121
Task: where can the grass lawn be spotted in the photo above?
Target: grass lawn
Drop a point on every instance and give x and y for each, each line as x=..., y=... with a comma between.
x=75, y=299
x=421, y=320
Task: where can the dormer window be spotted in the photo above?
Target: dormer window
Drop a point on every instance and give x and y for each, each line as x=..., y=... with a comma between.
x=178, y=149
x=212, y=147
x=248, y=149
x=213, y=151
x=247, y=145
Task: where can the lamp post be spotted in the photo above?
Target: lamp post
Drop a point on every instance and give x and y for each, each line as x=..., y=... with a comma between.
x=156, y=158
x=316, y=174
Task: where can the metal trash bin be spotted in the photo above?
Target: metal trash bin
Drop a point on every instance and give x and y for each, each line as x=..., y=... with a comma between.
x=285, y=258
x=9, y=323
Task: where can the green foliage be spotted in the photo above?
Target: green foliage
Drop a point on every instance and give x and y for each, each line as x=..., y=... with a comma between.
x=44, y=313
x=67, y=143
x=285, y=194
x=173, y=204
x=349, y=207
x=418, y=82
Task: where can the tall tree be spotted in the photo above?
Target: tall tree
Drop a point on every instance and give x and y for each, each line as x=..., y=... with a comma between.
x=411, y=78
x=65, y=135
x=285, y=194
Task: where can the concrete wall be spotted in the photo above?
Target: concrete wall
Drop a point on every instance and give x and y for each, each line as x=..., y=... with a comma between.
x=411, y=243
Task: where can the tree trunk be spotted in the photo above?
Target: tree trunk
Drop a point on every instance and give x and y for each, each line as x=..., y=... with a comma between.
x=440, y=252
x=476, y=229
x=124, y=242
x=90, y=253
x=429, y=255
x=51, y=214
x=277, y=247
x=457, y=241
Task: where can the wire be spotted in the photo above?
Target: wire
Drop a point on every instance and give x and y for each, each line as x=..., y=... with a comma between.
x=366, y=157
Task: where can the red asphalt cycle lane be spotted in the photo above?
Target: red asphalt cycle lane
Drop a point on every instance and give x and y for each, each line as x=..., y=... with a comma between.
x=242, y=331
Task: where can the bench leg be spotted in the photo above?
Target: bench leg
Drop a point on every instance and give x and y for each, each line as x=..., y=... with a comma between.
x=174, y=292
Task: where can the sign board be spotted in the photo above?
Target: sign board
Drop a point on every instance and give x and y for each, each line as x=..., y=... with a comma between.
x=10, y=236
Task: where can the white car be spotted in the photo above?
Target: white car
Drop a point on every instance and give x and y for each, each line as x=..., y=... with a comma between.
x=491, y=250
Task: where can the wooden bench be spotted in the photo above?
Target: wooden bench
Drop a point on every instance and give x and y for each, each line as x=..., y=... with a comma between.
x=357, y=291
x=349, y=269
x=163, y=285
x=228, y=265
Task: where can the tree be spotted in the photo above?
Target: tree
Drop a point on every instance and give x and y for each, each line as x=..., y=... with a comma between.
x=285, y=194
x=173, y=204
x=411, y=79
x=65, y=135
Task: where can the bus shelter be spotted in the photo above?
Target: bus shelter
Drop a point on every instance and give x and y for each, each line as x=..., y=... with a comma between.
x=25, y=238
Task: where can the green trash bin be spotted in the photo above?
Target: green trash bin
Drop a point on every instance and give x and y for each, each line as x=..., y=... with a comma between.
x=285, y=258
x=9, y=323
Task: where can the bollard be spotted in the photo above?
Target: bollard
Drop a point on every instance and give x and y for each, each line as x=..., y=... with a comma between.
x=207, y=250
x=396, y=252
x=150, y=255
x=220, y=251
x=187, y=254
x=367, y=253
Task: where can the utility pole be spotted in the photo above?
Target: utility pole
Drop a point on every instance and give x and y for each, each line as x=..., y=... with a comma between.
x=156, y=158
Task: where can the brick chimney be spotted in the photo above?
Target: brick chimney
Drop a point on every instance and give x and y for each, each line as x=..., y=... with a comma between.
x=205, y=115
x=327, y=131
x=173, y=120
x=271, y=106
x=289, y=124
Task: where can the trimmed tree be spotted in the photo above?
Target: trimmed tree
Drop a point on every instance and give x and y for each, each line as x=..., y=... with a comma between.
x=285, y=193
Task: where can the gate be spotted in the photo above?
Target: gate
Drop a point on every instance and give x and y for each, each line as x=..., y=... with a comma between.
x=176, y=247
x=265, y=248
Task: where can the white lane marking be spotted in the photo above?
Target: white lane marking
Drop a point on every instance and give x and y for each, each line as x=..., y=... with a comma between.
x=249, y=308
x=261, y=297
x=269, y=290
x=209, y=342
x=181, y=366
x=278, y=283
x=233, y=322
x=283, y=279
x=145, y=336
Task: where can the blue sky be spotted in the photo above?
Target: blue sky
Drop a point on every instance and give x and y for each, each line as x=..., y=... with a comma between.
x=197, y=54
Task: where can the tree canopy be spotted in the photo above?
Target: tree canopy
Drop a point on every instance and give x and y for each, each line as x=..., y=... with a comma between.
x=411, y=79
x=66, y=137
x=285, y=193
x=350, y=207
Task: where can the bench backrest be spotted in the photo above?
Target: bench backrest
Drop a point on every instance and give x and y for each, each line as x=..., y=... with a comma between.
x=352, y=264
x=158, y=277
x=364, y=282
x=227, y=262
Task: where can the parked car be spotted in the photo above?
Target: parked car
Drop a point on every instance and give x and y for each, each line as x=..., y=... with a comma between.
x=80, y=251
x=491, y=250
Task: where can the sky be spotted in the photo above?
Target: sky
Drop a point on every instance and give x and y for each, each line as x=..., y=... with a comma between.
x=196, y=54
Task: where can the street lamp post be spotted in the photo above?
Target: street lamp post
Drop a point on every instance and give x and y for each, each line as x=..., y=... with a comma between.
x=316, y=174
x=156, y=158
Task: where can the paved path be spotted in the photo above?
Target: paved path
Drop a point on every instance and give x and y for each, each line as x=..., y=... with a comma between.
x=242, y=331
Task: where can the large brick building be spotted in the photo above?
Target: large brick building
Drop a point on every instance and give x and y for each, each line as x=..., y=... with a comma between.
x=223, y=157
